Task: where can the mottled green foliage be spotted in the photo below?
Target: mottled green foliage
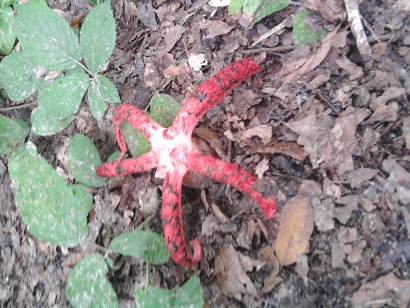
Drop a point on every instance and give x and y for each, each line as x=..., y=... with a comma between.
x=164, y=109
x=88, y=286
x=259, y=8
x=7, y=36
x=101, y=91
x=144, y=245
x=189, y=295
x=52, y=211
x=46, y=37
x=303, y=33
x=83, y=159
x=17, y=76
x=48, y=41
x=96, y=40
x=12, y=131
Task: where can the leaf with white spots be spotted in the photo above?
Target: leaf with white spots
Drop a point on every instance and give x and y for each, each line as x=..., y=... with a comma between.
x=52, y=211
x=17, y=76
x=83, y=159
x=62, y=98
x=101, y=91
x=12, y=131
x=88, y=286
x=188, y=295
x=46, y=37
x=144, y=245
x=7, y=36
x=44, y=124
x=97, y=37
x=164, y=109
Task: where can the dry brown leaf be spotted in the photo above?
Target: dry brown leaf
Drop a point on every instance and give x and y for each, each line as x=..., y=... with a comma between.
x=261, y=167
x=398, y=183
x=358, y=176
x=333, y=39
x=354, y=70
x=406, y=131
x=387, y=289
x=343, y=213
x=231, y=277
x=295, y=229
x=262, y=131
x=332, y=10
x=288, y=148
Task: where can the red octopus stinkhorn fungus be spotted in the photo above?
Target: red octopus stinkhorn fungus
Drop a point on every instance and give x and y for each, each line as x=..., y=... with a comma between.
x=173, y=154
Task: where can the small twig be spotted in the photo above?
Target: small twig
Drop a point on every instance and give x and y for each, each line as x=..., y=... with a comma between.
x=273, y=50
x=287, y=22
x=324, y=98
x=17, y=107
x=353, y=15
x=369, y=27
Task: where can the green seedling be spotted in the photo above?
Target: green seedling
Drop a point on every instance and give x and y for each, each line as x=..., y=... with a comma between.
x=48, y=42
x=259, y=8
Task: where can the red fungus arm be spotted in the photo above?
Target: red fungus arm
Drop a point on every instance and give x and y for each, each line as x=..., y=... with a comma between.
x=211, y=92
x=235, y=176
x=172, y=222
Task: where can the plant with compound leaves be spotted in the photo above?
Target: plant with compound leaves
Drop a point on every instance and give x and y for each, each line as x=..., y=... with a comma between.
x=51, y=48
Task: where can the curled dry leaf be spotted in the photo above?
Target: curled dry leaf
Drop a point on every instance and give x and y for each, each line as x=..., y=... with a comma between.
x=295, y=229
x=231, y=276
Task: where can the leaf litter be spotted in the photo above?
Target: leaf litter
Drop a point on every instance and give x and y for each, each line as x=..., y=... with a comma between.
x=320, y=122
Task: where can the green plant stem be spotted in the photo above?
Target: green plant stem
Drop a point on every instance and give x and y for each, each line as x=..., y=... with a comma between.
x=86, y=69
x=17, y=107
x=147, y=276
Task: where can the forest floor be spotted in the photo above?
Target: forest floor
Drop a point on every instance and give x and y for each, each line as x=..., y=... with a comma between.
x=330, y=128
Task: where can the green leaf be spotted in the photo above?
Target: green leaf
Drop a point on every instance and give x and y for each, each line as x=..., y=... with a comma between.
x=6, y=3
x=250, y=6
x=144, y=245
x=82, y=194
x=62, y=98
x=46, y=37
x=189, y=295
x=98, y=36
x=102, y=90
x=50, y=209
x=44, y=124
x=83, y=159
x=137, y=144
x=7, y=37
x=17, y=76
x=235, y=6
x=268, y=7
x=88, y=286
x=12, y=131
x=303, y=33
x=164, y=109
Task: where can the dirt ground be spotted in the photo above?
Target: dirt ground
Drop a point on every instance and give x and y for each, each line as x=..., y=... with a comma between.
x=328, y=125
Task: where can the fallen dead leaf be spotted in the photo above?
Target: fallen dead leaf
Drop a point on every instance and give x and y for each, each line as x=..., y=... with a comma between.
x=388, y=290
x=358, y=176
x=354, y=70
x=261, y=167
x=231, y=277
x=295, y=229
x=288, y=148
x=406, y=131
